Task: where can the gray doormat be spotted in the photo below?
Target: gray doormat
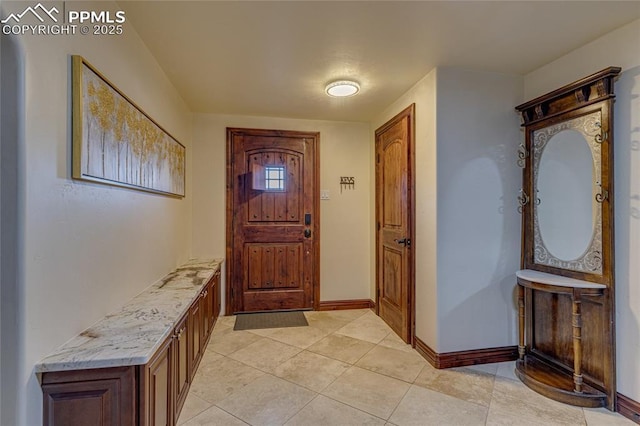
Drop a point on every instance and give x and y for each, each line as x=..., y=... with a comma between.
x=270, y=320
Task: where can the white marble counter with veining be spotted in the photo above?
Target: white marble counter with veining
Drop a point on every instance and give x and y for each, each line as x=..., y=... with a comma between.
x=131, y=335
x=557, y=280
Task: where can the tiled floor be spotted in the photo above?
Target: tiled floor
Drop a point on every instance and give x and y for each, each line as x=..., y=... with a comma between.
x=348, y=368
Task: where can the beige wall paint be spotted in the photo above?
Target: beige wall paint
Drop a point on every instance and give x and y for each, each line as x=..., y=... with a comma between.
x=86, y=248
x=345, y=224
x=617, y=48
x=423, y=94
x=478, y=233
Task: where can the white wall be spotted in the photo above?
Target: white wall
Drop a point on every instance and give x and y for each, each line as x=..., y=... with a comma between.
x=617, y=48
x=344, y=219
x=478, y=223
x=87, y=248
x=423, y=94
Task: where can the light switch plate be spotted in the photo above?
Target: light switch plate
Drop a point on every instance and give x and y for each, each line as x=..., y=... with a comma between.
x=324, y=194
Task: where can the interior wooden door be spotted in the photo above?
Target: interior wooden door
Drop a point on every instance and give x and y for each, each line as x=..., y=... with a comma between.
x=272, y=220
x=394, y=217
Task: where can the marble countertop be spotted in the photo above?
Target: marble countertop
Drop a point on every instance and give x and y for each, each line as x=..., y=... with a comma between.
x=545, y=278
x=131, y=335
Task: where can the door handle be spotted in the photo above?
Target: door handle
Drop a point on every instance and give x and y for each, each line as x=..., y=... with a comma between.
x=307, y=233
x=406, y=242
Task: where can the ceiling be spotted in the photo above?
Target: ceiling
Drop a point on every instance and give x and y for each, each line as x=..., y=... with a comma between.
x=275, y=58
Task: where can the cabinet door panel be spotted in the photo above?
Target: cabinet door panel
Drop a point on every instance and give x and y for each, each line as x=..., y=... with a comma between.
x=94, y=397
x=181, y=363
x=159, y=396
x=215, y=300
x=195, y=333
x=207, y=312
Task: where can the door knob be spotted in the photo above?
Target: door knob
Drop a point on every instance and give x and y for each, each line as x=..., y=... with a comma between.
x=307, y=233
x=404, y=242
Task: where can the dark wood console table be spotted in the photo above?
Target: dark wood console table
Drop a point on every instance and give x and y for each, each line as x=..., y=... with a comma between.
x=536, y=369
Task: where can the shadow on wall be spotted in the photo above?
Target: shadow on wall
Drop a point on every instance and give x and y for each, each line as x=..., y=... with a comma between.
x=11, y=142
x=627, y=205
x=504, y=276
x=488, y=237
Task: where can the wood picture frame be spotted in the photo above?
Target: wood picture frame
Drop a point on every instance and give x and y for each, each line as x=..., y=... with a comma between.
x=116, y=143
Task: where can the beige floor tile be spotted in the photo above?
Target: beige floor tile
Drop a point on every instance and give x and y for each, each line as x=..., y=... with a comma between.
x=604, y=417
x=331, y=321
x=263, y=332
x=463, y=383
x=323, y=411
x=507, y=370
x=342, y=348
x=392, y=362
x=326, y=323
x=485, y=368
x=394, y=341
x=302, y=337
x=217, y=380
x=265, y=354
x=267, y=401
x=425, y=407
x=193, y=406
x=368, y=327
x=498, y=417
x=214, y=417
x=510, y=396
x=222, y=325
x=210, y=356
x=368, y=391
x=218, y=330
x=226, y=321
x=347, y=315
x=228, y=341
x=311, y=370
x=376, y=389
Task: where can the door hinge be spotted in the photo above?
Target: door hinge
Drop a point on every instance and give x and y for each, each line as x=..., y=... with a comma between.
x=378, y=158
x=378, y=226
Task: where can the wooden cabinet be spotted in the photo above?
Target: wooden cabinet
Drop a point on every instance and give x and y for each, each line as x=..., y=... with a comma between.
x=151, y=394
x=216, y=297
x=104, y=396
x=195, y=335
x=207, y=309
x=156, y=399
x=202, y=317
x=181, y=372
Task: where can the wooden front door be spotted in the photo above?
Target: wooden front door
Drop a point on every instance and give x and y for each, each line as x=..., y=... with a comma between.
x=272, y=220
x=394, y=217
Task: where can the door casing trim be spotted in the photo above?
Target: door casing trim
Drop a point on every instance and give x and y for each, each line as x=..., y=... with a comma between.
x=315, y=137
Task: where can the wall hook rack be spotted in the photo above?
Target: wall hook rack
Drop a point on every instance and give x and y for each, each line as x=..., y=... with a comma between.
x=347, y=182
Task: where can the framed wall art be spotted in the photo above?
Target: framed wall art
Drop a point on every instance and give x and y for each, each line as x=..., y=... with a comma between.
x=115, y=142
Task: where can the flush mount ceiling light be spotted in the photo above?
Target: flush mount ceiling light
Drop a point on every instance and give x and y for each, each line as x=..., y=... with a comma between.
x=342, y=88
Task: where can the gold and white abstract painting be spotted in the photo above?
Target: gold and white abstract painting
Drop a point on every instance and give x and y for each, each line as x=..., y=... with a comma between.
x=115, y=142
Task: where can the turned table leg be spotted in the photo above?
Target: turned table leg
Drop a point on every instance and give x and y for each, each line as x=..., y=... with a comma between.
x=577, y=343
x=521, y=347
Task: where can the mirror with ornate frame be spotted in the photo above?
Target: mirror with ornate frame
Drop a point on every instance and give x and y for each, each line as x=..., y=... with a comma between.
x=565, y=287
